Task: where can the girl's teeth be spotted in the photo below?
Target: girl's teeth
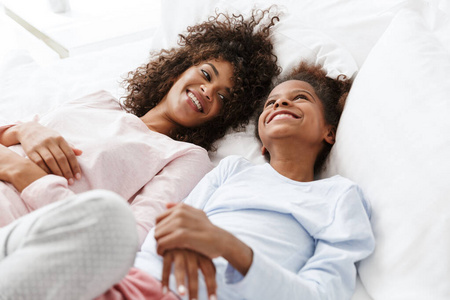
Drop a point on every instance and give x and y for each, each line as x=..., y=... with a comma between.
x=282, y=116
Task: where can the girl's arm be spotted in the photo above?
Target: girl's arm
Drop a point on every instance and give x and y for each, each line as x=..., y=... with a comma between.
x=186, y=265
x=330, y=273
x=186, y=225
x=183, y=226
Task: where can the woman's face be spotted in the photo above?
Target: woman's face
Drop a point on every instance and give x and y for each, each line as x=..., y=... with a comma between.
x=197, y=95
x=293, y=110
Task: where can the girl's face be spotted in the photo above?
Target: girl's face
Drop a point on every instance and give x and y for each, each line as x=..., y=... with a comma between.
x=293, y=110
x=197, y=95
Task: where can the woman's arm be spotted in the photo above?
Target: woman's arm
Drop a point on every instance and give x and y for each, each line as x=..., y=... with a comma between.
x=45, y=147
x=172, y=184
x=8, y=135
x=17, y=170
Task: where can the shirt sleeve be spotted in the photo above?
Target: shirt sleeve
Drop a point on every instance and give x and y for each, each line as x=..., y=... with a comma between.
x=172, y=184
x=46, y=190
x=329, y=274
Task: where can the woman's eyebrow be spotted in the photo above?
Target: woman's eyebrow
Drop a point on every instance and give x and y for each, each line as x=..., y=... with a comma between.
x=217, y=74
x=214, y=68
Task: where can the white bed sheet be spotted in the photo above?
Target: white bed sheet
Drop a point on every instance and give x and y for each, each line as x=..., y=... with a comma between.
x=28, y=88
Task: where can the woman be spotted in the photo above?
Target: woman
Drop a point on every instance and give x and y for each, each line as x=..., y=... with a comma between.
x=179, y=103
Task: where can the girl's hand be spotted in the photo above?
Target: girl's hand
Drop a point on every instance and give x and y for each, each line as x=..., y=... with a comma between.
x=18, y=170
x=185, y=227
x=186, y=265
x=49, y=150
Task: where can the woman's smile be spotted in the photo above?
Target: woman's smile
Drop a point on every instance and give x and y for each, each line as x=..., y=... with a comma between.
x=195, y=101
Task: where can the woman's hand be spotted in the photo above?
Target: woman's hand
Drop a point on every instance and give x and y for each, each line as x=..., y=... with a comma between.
x=186, y=265
x=18, y=170
x=49, y=150
x=185, y=227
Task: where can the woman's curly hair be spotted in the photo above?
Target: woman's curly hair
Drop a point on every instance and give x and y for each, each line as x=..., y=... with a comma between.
x=331, y=92
x=245, y=43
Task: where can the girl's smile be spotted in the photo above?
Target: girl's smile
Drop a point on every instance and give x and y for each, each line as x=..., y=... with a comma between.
x=280, y=115
x=293, y=112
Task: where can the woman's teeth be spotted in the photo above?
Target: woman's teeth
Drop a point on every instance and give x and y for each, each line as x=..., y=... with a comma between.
x=195, y=101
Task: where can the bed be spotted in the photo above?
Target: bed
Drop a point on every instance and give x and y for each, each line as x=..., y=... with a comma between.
x=393, y=137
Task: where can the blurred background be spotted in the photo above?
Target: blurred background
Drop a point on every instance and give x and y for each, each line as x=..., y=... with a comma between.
x=49, y=30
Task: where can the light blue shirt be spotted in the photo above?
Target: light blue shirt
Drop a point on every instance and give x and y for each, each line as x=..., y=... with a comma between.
x=306, y=236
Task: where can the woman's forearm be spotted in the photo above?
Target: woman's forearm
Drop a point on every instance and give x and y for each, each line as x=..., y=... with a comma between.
x=24, y=174
x=9, y=136
x=18, y=170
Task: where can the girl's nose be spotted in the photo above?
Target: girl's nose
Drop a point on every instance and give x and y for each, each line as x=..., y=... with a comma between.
x=281, y=102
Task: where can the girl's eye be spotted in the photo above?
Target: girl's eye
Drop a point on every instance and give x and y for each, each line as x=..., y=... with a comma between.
x=206, y=74
x=301, y=96
x=269, y=103
x=222, y=97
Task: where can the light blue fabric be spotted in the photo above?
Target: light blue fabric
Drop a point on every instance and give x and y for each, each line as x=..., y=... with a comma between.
x=306, y=236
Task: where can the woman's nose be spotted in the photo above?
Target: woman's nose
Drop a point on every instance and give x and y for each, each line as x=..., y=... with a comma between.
x=206, y=91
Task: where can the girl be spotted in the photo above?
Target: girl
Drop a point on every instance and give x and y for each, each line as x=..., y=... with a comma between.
x=178, y=104
x=273, y=230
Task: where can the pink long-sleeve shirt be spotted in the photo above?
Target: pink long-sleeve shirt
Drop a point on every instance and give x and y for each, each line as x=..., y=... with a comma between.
x=120, y=154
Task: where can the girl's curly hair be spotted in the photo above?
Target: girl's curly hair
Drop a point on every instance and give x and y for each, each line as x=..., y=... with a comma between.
x=245, y=43
x=331, y=92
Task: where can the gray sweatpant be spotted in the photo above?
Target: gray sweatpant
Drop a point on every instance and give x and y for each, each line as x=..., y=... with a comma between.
x=72, y=249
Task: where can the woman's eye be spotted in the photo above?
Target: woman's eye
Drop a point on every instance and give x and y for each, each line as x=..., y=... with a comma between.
x=222, y=97
x=206, y=74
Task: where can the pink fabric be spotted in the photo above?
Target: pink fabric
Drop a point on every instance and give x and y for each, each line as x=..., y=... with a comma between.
x=137, y=285
x=120, y=154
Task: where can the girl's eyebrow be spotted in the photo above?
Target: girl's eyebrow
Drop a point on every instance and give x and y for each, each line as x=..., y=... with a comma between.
x=293, y=92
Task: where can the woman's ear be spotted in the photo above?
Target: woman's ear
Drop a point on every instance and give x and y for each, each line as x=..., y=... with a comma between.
x=330, y=138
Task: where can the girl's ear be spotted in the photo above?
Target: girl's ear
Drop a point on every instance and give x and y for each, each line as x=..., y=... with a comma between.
x=263, y=150
x=330, y=138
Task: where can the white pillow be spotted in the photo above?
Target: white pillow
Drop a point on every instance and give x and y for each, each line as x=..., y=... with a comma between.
x=354, y=24
x=393, y=140
x=294, y=39
x=336, y=35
